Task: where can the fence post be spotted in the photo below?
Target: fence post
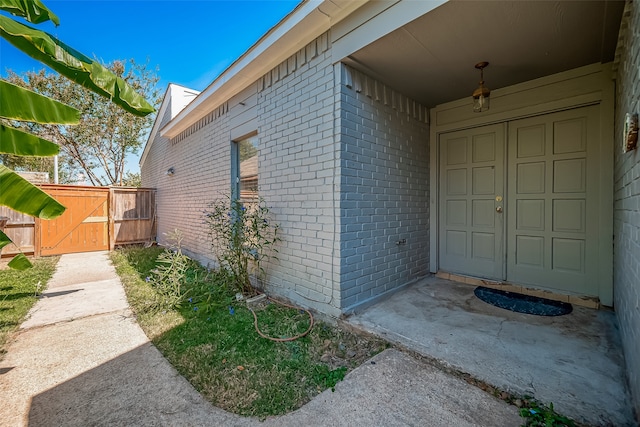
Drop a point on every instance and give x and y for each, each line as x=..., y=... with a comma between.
x=111, y=204
x=37, y=239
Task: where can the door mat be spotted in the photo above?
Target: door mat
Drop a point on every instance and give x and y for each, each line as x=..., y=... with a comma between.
x=522, y=303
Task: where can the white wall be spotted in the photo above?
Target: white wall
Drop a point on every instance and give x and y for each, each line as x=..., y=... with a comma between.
x=292, y=108
x=627, y=202
x=200, y=158
x=298, y=160
x=344, y=175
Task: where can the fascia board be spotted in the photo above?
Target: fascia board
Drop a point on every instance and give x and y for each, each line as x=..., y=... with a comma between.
x=156, y=124
x=384, y=21
x=308, y=21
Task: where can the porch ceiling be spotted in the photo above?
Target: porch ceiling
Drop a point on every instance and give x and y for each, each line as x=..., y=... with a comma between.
x=432, y=58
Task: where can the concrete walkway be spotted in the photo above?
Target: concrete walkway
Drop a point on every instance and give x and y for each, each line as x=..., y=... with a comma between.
x=574, y=361
x=81, y=359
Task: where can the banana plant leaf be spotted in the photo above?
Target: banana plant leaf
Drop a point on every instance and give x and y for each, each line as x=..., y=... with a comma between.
x=22, y=196
x=19, y=262
x=19, y=143
x=4, y=240
x=17, y=103
x=31, y=10
x=73, y=65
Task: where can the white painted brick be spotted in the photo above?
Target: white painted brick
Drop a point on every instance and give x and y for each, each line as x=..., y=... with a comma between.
x=627, y=208
x=329, y=189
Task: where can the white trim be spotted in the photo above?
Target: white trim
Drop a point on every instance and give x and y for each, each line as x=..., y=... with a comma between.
x=156, y=125
x=166, y=101
x=308, y=21
x=383, y=21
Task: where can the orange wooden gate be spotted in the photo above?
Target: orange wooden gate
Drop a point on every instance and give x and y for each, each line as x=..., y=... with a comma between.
x=83, y=227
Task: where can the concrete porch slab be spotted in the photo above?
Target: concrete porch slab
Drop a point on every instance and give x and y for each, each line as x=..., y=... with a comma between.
x=574, y=361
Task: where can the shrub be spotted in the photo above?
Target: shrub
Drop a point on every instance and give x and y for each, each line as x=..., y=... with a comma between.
x=242, y=238
x=169, y=275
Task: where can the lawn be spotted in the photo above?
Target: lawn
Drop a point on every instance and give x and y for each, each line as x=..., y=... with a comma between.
x=211, y=340
x=18, y=293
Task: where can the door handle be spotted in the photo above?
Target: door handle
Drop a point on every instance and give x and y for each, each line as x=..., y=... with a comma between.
x=499, y=209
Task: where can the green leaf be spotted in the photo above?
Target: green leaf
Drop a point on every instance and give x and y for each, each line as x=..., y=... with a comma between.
x=4, y=240
x=31, y=10
x=17, y=103
x=73, y=65
x=19, y=262
x=22, y=196
x=19, y=143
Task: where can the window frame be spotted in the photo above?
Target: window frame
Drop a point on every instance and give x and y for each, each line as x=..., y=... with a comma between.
x=236, y=188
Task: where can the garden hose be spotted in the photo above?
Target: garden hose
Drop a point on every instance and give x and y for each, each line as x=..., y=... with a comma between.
x=255, y=323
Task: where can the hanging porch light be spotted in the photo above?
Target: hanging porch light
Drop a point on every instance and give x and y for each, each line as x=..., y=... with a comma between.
x=482, y=93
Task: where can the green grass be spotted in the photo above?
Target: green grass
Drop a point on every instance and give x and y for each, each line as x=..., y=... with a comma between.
x=211, y=340
x=18, y=291
x=537, y=414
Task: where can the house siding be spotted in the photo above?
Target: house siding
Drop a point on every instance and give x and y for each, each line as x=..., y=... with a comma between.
x=201, y=160
x=384, y=189
x=298, y=159
x=344, y=173
x=627, y=201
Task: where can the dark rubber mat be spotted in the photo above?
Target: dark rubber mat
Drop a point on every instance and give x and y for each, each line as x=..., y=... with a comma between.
x=523, y=303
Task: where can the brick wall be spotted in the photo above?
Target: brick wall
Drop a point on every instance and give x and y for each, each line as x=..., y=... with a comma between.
x=292, y=109
x=384, y=189
x=298, y=175
x=627, y=200
x=201, y=161
x=332, y=161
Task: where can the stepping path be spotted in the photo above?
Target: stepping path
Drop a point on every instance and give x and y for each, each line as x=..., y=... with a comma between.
x=81, y=359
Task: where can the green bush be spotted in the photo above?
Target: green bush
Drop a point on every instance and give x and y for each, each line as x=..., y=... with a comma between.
x=169, y=276
x=242, y=238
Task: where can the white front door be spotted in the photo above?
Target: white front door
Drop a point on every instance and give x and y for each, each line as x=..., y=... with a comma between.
x=540, y=226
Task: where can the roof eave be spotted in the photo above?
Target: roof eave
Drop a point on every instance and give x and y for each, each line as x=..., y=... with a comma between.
x=306, y=22
x=166, y=101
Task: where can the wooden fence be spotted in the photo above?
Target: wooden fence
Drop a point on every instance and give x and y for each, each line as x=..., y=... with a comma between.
x=22, y=230
x=84, y=225
x=132, y=213
x=97, y=218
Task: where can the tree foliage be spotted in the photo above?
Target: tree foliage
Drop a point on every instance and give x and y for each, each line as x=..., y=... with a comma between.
x=132, y=179
x=97, y=146
x=27, y=163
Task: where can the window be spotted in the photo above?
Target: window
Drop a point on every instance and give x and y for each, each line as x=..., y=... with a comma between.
x=247, y=171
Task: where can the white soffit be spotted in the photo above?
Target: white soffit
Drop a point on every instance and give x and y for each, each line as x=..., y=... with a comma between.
x=432, y=58
x=377, y=19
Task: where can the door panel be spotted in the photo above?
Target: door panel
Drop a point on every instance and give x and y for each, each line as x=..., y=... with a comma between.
x=552, y=227
x=471, y=176
x=550, y=222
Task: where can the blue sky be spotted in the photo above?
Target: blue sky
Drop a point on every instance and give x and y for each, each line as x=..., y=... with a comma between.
x=191, y=42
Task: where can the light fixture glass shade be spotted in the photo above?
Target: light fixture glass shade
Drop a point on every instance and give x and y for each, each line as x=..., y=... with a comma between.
x=481, y=99
x=482, y=93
